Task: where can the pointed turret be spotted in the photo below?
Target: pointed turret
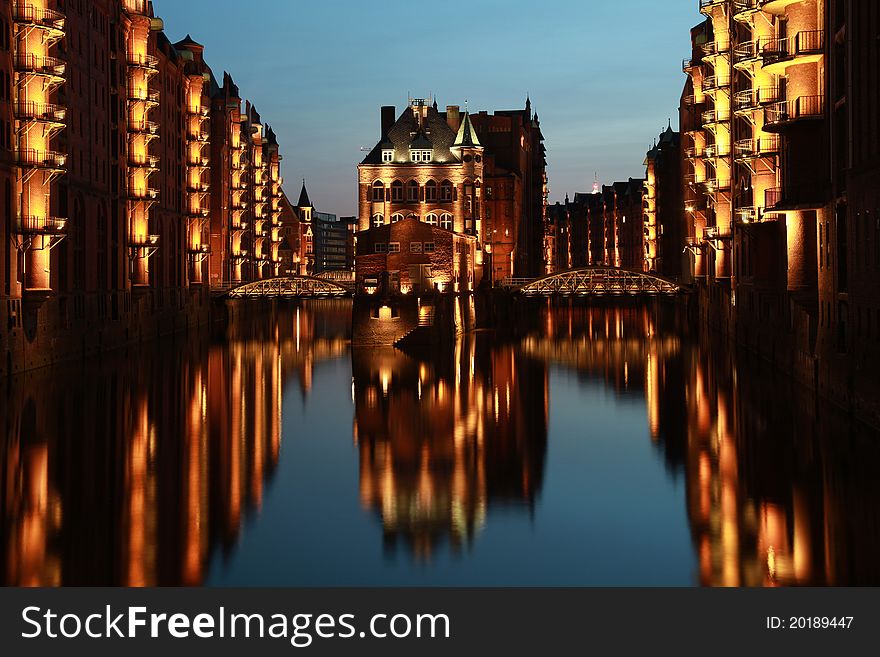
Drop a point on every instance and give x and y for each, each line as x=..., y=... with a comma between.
x=304, y=201
x=467, y=136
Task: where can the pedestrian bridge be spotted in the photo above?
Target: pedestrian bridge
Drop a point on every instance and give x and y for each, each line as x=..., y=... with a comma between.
x=594, y=281
x=289, y=287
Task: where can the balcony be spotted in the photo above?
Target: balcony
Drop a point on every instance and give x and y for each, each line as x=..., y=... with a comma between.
x=44, y=19
x=753, y=99
x=32, y=158
x=143, y=241
x=692, y=152
x=747, y=53
x=150, y=162
x=201, y=249
x=801, y=48
x=806, y=108
x=47, y=67
x=199, y=137
x=715, y=48
x=148, y=96
x=776, y=7
x=199, y=110
x=746, y=149
x=145, y=62
x=28, y=225
x=136, y=7
x=143, y=194
x=200, y=213
x=715, y=82
x=715, y=116
x=707, y=6
x=688, y=64
x=747, y=215
x=199, y=188
x=717, y=233
x=54, y=115
x=201, y=162
x=143, y=127
x=715, y=185
x=240, y=226
x=744, y=9
x=716, y=150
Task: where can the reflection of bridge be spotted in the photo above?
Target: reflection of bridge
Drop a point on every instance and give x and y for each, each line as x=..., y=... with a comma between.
x=594, y=281
x=288, y=287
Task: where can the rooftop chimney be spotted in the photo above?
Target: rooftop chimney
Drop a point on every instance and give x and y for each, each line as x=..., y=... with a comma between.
x=388, y=116
x=453, y=117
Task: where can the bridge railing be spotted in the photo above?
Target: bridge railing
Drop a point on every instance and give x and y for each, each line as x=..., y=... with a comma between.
x=598, y=281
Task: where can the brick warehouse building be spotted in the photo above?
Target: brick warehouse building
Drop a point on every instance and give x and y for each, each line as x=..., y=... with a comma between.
x=436, y=167
x=427, y=167
x=130, y=178
x=779, y=118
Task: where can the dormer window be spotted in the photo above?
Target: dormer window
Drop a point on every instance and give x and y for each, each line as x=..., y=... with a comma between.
x=387, y=155
x=421, y=155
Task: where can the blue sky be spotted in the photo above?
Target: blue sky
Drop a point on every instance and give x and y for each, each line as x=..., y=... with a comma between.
x=604, y=76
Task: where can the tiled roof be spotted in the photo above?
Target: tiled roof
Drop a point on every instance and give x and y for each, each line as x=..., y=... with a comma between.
x=405, y=132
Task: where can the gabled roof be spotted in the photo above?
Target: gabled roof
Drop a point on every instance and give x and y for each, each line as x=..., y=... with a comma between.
x=467, y=136
x=406, y=131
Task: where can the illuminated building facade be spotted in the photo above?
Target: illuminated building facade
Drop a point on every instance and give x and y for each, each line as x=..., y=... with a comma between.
x=663, y=201
x=518, y=237
x=116, y=178
x=780, y=186
x=426, y=169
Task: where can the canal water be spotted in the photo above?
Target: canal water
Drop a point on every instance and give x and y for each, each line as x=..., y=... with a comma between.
x=584, y=445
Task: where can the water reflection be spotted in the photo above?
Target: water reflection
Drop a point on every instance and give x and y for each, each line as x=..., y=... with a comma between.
x=571, y=447
x=442, y=437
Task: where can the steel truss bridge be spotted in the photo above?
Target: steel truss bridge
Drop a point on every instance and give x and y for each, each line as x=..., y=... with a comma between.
x=288, y=287
x=595, y=281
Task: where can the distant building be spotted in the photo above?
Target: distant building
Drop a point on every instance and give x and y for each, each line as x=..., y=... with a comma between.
x=325, y=242
x=664, y=206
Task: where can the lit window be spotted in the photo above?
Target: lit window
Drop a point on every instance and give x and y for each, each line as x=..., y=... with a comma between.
x=415, y=247
x=387, y=155
x=446, y=191
x=412, y=191
x=378, y=191
x=393, y=247
x=396, y=191
x=431, y=191
x=378, y=220
x=446, y=221
x=431, y=219
x=421, y=155
x=429, y=247
x=396, y=217
x=380, y=247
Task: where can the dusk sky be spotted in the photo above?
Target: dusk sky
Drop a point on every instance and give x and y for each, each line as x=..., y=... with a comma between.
x=603, y=76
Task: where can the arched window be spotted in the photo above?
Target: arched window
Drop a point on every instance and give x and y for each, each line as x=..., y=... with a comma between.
x=396, y=217
x=431, y=219
x=446, y=221
x=378, y=220
x=431, y=191
x=446, y=191
x=396, y=191
x=412, y=191
x=378, y=191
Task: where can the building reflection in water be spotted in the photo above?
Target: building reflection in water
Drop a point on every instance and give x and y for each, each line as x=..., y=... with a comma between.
x=444, y=438
x=148, y=474
x=138, y=478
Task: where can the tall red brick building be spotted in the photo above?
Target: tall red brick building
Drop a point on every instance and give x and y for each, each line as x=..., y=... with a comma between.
x=119, y=158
